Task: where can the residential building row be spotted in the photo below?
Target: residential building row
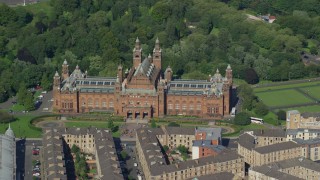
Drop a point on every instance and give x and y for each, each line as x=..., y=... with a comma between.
x=155, y=164
x=306, y=120
x=57, y=143
x=290, y=169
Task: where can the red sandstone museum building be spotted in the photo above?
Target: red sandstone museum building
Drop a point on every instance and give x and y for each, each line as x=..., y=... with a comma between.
x=142, y=92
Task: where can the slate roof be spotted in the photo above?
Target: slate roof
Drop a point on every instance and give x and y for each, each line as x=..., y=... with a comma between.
x=156, y=160
x=246, y=140
x=108, y=159
x=272, y=169
x=276, y=147
x=211, y=133
x=270, y=132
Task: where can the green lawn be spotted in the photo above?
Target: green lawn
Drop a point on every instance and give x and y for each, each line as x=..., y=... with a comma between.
x=20, y=128
x=315, y=108
x=238, y=129
x=17, y=107
x=282, y=98
x=313, y=91
x=259, y=89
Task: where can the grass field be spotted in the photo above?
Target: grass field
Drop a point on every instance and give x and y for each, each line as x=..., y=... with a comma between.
x=299, y=85
x=306, y=109
x=313, y=91
x=282, y=98
x=20, y=128
x=238, y=129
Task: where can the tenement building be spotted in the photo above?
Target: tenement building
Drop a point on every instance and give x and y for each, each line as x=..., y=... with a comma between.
x=307, y=120
x=156, y=165
x=256, y=155
x=291, y=169
x=143, y=91
x=57, y=143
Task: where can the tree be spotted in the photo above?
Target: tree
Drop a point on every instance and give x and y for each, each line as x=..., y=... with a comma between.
x=22, y=94
x=153, y=124
x=282, y=115
x=165, y=148
x=173, y=124
x=45, y=83
x=5, y=117
x=251, y=76
x=261, y=109
x=262, y=66
x=75, y=149
x=124, y=154
x=111, y=126
x=28, y=102
x=242, y=119
x=182, y=149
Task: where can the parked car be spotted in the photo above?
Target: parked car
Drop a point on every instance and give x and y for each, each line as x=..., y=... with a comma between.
x=36, y=174
x=35, y=152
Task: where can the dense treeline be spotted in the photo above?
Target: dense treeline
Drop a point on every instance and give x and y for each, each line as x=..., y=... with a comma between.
x=197, y=36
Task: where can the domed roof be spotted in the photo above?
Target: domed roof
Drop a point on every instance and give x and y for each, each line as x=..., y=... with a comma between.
x=9, y=132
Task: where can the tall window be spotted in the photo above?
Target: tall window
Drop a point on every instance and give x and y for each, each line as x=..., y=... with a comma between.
x=170, y=106
x=198, y=106
x=111, y=103
x=96, y=102
x=177, y=106
x=90, y=102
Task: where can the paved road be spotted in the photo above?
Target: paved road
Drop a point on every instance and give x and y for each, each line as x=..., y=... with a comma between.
x=46, y=103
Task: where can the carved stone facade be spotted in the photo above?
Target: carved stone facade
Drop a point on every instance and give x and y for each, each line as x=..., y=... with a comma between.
x=141, y=92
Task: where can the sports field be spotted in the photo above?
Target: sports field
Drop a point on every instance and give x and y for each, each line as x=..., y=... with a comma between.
x=315, y=108
x=303, y=96
x=283, y=98
x=313, y=91
x=287, y=86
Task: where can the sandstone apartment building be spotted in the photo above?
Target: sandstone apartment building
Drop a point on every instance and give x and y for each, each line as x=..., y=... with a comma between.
x=257, y=154
x=56, y=151
x=156, y=166
x=290, y=169
x=307, y=120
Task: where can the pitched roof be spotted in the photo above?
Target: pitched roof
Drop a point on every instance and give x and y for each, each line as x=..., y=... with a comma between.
x=276, y=147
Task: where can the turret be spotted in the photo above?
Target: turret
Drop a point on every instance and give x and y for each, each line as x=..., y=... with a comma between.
x=56, y=81
x=229, y=75
x=120, y=74
x=168, y=74
x=137, y=53
x=65, y=70
x=157, y=54
x=9, y=132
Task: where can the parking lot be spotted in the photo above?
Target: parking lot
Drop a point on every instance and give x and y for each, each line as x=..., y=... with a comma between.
x=32, y=160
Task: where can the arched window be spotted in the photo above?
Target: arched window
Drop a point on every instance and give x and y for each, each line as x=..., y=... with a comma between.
x=191, y=106
x=104, y=103
x=90, y=102
x=198, y=105
x=170, y=105
x=83, y=102
x=111, y=105
x=177, y=105
x=96, y=103
x=184, y=105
